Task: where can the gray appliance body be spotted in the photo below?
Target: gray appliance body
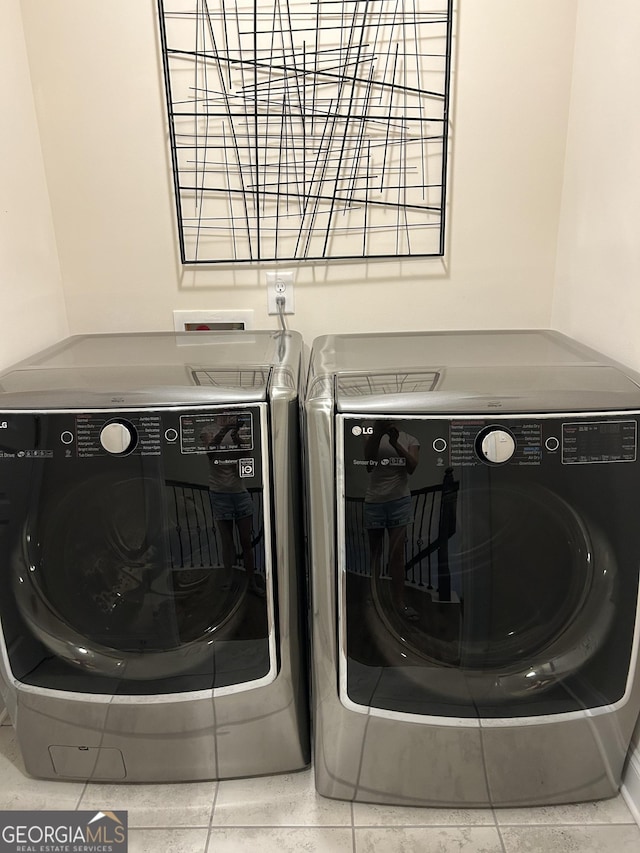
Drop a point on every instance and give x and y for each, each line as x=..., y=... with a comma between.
x=152, y=583
x=475, y=556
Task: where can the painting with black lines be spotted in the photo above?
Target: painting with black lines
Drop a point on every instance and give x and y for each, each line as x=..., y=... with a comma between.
x=307, y=130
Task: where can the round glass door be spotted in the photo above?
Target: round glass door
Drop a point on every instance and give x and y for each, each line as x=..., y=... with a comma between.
x=110, y=583
x=518, y=596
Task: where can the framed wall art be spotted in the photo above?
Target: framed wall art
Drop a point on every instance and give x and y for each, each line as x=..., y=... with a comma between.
x=307, y=130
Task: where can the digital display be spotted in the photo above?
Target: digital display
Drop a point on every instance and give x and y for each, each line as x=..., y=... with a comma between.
x=216, y=433
x=588, y=442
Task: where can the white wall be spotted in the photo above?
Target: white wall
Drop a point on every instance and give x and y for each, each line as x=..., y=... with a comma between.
x=597, y=294
x=33, y=310
x=99, y=96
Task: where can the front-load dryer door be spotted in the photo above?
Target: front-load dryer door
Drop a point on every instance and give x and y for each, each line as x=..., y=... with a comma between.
x=488, y=567
x=136, y=550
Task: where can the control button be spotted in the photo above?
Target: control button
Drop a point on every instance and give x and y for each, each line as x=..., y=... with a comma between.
x=66, y=437
x=118, y=437
x=496, y=446
x=552, y=443
x=439, y=445
x=171, y=434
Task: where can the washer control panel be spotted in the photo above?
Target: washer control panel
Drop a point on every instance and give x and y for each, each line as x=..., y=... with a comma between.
x=223, y=432
x=97, y=434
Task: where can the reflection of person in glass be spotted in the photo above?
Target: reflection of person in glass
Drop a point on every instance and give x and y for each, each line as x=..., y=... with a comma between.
x=392, y=456
x=231, y=503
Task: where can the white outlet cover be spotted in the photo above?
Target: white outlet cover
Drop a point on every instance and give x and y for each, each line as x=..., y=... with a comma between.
x=287, y=291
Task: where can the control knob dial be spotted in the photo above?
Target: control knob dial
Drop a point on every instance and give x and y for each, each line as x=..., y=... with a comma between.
x=496, y=445
x=118, y=437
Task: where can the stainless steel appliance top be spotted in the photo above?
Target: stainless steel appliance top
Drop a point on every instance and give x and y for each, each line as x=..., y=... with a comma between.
x=156, y=368
x=467, y=372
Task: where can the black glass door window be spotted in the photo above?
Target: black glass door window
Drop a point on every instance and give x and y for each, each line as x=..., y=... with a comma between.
x=474, y=588
x=137, y=564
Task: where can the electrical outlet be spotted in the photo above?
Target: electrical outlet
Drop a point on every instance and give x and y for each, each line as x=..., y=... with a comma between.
x=280, y=286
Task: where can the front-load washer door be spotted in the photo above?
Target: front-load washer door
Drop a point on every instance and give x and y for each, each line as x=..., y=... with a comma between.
x=488, y=567
x=136, y=550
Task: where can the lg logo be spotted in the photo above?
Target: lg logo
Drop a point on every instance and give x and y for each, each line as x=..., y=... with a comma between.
x=358, y=430
x=4, y=425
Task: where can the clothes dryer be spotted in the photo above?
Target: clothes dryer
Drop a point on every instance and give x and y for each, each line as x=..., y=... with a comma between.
x=475, y=553
x=151, y=559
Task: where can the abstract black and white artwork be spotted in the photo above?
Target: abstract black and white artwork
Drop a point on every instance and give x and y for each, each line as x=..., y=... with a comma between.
x=309, y=130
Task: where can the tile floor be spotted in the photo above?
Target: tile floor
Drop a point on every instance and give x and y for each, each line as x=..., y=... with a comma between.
x=279, y=814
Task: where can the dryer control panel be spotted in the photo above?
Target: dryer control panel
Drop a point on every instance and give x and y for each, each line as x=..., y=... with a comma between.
x=510, y=441
x=478, y=441
x=585, y=442
x=463, y=442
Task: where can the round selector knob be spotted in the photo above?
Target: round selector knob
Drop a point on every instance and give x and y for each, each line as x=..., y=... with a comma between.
x=496, y=445
x=118, y=437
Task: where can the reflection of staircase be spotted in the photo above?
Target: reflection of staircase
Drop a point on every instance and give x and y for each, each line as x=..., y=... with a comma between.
x=433, y=524
x=193, y=537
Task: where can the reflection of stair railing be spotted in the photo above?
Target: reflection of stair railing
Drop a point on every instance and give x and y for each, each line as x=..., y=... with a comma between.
x=194, y=541
x=432, y=525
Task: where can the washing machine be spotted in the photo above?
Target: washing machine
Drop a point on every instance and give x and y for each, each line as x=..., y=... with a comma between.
x=151, y=575
x=475, y=554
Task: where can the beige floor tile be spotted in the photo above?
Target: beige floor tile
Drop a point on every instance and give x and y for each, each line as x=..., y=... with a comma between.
x=602, y=811
x=181, y=804
x=287, y=800
x=168, y=841
x=375, y=815
x=19, y=791
x=281, y=840
x=571, y=839
x=468, y=839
